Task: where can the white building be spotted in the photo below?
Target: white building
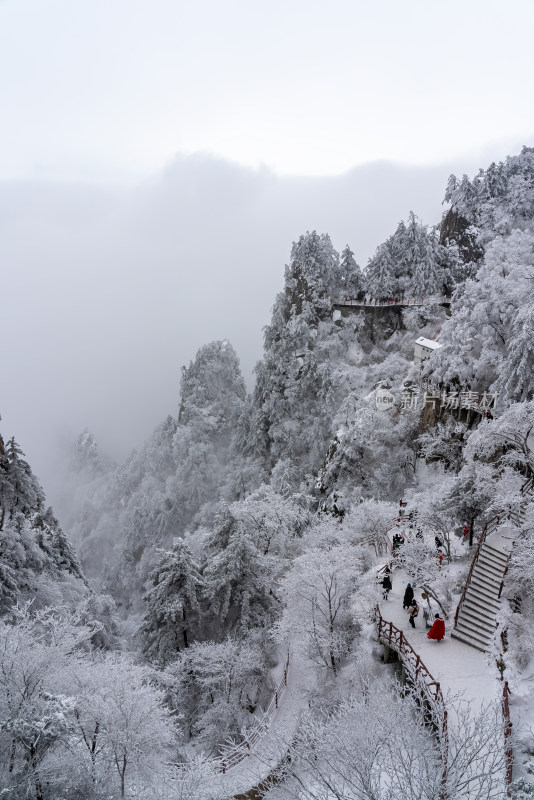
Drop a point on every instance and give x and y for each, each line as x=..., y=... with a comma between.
x=424, y=348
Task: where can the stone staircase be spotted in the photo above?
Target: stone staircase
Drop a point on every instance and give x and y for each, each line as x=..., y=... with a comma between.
x=477, y=618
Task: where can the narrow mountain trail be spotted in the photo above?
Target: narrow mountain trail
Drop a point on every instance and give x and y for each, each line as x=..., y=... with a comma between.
x=271, y=748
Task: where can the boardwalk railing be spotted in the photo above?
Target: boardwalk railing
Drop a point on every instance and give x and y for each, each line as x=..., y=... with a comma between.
x=235, y=754
x=395, y=639
x=489, y=527
x=390, y=301
x=507, y=733
x=506, y=514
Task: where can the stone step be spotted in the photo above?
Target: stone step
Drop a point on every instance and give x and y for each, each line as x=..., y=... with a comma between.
x=492, y=589
x=462, y=637
x=488, y=558
x=492, y=552
x=482, y=574
x=477, y=617
x=490, y=567
x=484, y=590
x=476, y=598
x=474, y=629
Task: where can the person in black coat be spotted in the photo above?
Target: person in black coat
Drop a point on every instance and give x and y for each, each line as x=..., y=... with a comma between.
x=386, y=586
x=408, y=596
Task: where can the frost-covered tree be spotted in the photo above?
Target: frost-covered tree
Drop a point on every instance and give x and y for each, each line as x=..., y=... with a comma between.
x=370, y=457
x=380, y=273
x=486, y=346
x=376, y=747
x=351, y=275
x=418, y=559
x=411, y=262
x=498, y=199
x=34, y=550
x=122, y=726
x=237, y=577
x=35, y=708
x=216, y=686
x=317, y=593
x=420, y=260
x=294, y=395
x=173, y=616
x=275, y=523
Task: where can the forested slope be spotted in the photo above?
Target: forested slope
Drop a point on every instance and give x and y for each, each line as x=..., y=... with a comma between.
x=250, y=521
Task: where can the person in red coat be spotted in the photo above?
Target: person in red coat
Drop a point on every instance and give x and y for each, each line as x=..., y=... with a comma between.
x=437, y=631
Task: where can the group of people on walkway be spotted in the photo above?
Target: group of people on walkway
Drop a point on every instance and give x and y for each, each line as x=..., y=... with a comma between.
x=437, y=631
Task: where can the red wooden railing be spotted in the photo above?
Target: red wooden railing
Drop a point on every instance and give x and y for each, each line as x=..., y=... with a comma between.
x=394, y=638
x=507, y=733
x=489, y=527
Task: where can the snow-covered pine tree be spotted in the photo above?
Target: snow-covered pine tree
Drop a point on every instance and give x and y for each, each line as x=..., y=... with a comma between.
x=294, y=395
x=380, y=273
x=352, y=282
x=173, y=616
x=36, y=558
x=419, y=263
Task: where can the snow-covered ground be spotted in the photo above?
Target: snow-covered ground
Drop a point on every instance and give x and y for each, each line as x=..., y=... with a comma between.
x=458, y=667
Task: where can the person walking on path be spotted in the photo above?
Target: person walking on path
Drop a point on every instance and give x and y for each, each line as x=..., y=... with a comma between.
x=387, y=586
x=437, y=631
x=413, y=612
x=408, y=596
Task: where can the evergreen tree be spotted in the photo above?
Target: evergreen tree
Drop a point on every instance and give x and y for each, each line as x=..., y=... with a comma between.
x=351, y=274
x=237, y=585
x=380, y=275
x=173, y=617
x=294, y=396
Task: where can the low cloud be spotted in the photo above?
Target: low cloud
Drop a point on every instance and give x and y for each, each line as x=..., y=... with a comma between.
x=106, y=292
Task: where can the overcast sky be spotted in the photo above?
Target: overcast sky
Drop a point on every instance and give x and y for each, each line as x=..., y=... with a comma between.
x=158, y=158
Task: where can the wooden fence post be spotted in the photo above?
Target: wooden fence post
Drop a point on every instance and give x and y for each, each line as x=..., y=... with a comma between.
x=445, y=745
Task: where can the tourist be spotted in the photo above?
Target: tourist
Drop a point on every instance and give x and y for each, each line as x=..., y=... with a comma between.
x=408, y=596
x=437, y=631
x=413, y=611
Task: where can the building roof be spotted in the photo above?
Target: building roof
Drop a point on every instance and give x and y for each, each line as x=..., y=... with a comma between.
x=430, y=343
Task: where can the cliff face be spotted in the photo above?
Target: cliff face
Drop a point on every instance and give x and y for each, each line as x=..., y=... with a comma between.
x=456, y=228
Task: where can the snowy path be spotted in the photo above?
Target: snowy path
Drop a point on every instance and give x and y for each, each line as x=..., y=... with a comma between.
x=467, y=679
x=458, y=667
x=270, y=750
